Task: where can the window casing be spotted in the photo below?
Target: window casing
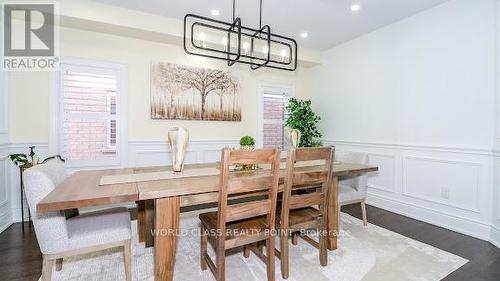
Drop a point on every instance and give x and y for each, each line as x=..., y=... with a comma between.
x=90, y=98
x=273, y=99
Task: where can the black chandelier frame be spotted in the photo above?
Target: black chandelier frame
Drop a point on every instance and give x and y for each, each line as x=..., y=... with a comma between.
x=236, y=29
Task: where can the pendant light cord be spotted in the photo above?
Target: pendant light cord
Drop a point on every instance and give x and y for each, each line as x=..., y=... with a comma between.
x=260, y=13
x=260, y=18
x=233, y=8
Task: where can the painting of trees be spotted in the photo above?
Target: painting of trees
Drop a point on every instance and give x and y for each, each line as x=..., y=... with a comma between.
x=193, y=93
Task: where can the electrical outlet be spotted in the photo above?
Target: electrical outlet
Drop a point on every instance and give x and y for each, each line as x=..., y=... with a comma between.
x=445, y=193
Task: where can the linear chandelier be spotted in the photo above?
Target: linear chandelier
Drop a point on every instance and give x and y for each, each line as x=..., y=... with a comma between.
x=235, y=43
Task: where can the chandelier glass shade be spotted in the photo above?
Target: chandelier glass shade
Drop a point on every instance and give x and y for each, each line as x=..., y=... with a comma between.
x=236, y=43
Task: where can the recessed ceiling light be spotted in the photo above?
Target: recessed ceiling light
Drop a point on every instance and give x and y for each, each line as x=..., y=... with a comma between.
x=304, y=35
x=215, y=12
x=355, y=7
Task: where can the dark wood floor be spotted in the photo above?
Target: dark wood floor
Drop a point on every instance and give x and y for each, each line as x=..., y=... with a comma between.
x=21, y=258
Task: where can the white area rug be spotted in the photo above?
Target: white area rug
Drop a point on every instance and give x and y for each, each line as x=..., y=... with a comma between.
x=365, y=253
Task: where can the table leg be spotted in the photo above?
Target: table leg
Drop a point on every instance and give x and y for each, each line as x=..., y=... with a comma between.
x=167, y=212
x=333, y=205
x=149, y=222
x=141, y=220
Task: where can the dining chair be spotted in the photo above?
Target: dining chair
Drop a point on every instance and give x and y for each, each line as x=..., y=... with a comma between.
x=242, y=223
x=353, y=190
x=59, y=237
x=305, y=211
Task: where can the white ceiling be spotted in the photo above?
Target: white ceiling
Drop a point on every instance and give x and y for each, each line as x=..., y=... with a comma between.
x=328, y=22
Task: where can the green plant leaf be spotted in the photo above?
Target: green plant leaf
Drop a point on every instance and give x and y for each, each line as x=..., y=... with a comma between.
x=247, y=140
x=304, y=119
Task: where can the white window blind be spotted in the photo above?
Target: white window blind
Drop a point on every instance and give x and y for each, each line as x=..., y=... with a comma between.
x=89, y=114
x=274, y=119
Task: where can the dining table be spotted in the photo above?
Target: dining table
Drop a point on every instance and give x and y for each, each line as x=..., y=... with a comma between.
x=160, y=193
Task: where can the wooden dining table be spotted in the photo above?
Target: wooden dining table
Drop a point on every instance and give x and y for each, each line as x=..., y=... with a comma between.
x=159, y=201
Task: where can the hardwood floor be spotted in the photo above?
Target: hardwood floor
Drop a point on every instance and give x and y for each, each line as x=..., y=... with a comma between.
x=21, y=259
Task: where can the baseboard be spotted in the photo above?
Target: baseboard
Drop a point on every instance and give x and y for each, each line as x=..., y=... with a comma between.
x=438, y=218
x=16, y=214
x=495, y=236
x=5, y=221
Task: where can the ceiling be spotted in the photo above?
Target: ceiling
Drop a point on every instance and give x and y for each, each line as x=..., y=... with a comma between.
x=327, y=22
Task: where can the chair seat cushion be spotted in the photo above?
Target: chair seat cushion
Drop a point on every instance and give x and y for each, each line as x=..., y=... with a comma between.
x=299, y=217
x=348, y=193
x=244, y=230
x=99, y=228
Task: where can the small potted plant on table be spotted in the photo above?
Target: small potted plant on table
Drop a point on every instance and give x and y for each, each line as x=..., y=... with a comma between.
x=247, y=142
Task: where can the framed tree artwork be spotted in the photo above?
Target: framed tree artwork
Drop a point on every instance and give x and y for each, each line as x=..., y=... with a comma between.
x=181, y=92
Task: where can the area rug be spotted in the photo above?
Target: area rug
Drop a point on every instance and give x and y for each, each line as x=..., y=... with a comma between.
x=364, y=253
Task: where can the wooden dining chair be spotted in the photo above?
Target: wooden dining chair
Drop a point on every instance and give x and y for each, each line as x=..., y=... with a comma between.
x=240, y=224
x=301, y=211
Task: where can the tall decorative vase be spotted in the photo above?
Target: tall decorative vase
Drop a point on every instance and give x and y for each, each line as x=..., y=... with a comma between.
x=292, y=136
x=178, y=139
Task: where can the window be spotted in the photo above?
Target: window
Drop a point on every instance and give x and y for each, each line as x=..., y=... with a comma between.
x=273, y=115
x=90, y=101
x=112, y=123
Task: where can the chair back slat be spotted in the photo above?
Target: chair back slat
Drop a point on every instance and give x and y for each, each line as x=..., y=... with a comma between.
x=309, y=178
x=264, y=181
x=250, y=157
x=296, y=174
x=310, y=154
x=307, y=200
x=248, y=210
x=249, y=184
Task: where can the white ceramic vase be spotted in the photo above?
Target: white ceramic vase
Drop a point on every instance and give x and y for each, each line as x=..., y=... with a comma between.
x=292, y=136
x=178, y=139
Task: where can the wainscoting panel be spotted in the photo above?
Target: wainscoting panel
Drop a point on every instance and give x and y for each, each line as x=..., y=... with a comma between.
x=42, y=151
x=446, y=182
x=446, y=186
x=386, y=176
x=495, y=230
x=5, y=208
x=140, y=153
x=157, y=153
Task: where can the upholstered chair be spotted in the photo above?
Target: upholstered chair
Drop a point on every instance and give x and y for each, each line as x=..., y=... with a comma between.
x=59, y=237
x=353, y=189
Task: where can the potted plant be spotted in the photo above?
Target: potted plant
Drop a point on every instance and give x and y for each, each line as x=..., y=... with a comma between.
x=304, y=119
x=247, y=142
x=24, y=160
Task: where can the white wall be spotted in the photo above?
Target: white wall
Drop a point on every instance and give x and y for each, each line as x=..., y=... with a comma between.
x=419, y=96
x=428, y=79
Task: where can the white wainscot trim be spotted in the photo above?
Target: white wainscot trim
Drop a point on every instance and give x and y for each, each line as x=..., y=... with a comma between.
x=5, y=208
x=156, y=153
x=495, y=236
x=465, y=206
x=471, y=170
x=41, y=149
x=418, y=147
x=386, y=178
